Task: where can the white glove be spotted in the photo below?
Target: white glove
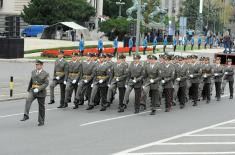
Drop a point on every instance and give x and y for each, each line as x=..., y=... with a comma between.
x=57, y=78
x=92, y=85
x=36, y=90
x=226, y=73
x=151, y=80
x=191, y=75
x=85, y=81
x=101, y=81
x=109, y=85
x=163, y=81
x=125, y=86
x=74, y=81
x=204, y=75
x=134, y=81
x=65, y=82
x=117, y=79
x=78, y=83
x=216, y=74
x=143, y=87
x=178, y=79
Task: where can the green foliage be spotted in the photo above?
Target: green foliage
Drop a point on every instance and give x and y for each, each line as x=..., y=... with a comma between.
x=47, y=12
x=119, y=26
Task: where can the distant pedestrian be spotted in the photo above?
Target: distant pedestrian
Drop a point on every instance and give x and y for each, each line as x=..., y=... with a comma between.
x=100, y=45
x=130, y=45
x=115, y=45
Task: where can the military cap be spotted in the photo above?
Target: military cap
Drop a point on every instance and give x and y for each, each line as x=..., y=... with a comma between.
x=137, y=56
x=218, y=58
x=61, y=51
x=75, y=54
x=38, y=62
x=91, y=54
x=102, y=55
x=206, y=58
x=149, y=56
x=230, y=60
x=194, y=56
x=121, y=56
x=109, y=55
x=153, y=57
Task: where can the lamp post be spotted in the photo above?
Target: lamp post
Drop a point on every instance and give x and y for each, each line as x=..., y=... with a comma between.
x=137, y=42
x=120, y=3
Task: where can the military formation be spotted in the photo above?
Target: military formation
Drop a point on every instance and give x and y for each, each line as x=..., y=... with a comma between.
x=95, y=78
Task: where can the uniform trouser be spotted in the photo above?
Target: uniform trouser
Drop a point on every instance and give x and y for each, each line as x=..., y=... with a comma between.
x=185, y=47
x=207, y=91
x=121, y=90
x=69, y=91
x=231, y=87
x=144, y=52
x=41, y=104
x=137, y=96
x=164, y=48
x=188, y=85
x=200, y=89
x=103, y=95
x=205, y=45
x=195, y=90
x=82, y=89
x=192, y=47
x=218, y=89
x=152, y=95
x=130, y=51
x=176, y=88
x=154, y=48
x=100, y=51
x=199, y=46
x=62, y=91
x=115, y=52
x=168, y=93
x=182, y=95
x=224, y=82
x=174, y=48
x=82, y=51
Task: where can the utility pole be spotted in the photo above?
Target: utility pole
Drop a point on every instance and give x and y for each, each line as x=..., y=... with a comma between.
x=120, y=3
x=137, y=42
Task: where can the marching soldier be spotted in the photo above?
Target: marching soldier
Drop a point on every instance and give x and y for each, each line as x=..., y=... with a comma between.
x=60, y=74
x=74, y=75
x=218, y=75
x=229, y=77
x=195, y=77
x=134, y=81
x=152, y=83
x=207, y=72
x=118, y=80
x=37, y=90
x=176, y=83
x=168, y=74
x=84, y=85
x=181, y=76
x=100, y=83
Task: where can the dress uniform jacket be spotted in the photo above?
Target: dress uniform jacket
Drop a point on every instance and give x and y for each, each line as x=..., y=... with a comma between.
x=182, y=72
x=119, y=71
x=102, y=72
x=135, y=72
x=196, y=72
x=218, y=73
x=75, y=71
x=61, y=70
x=208, y=71
x=168, y=75
x=152, y=72
x=230, y=73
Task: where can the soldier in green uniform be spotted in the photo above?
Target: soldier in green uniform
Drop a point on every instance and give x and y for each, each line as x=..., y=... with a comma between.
x=100, y=83
x=152, y=83
x=60, y=74
x=37, y=90
x=229, y=77
x=168, y=74
x=207, y=73
x=134, y=81
x=195, y=77
x=118, y=80
x=84, y=85
x=74, y=75
x=218, y=75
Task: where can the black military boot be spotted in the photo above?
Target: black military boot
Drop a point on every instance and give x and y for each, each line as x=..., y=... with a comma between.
x=41, y=124
x=137, y=111
x=75, y=106
x=26, y=117
x=231, y=97
x=194, y=103
x=61, y=106
x=90, y=107
x=153, y=112
x=65, y=105
x=81, y=102
x=52, y=102
x=103, y=109
x=182, y=106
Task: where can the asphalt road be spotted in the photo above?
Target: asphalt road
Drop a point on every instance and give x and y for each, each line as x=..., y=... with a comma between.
x=206, y=129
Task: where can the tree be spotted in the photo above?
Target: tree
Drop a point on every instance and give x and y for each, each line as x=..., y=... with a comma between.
x=111, y=9
x=47, y=12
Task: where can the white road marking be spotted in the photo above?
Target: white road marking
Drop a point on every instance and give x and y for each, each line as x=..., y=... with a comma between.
x=5, y=116
x=211, y=135
x=180, y=153
x=125, y=152
x=223, y=128
x=199, y=143
x=114, y=118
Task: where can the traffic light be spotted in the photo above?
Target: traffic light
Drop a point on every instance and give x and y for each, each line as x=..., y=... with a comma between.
x=12, y=26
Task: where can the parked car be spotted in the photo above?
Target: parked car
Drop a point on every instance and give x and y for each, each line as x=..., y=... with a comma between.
x=33, y=30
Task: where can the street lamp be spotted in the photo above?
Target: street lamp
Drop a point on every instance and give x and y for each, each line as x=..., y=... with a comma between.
x=120, y=3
